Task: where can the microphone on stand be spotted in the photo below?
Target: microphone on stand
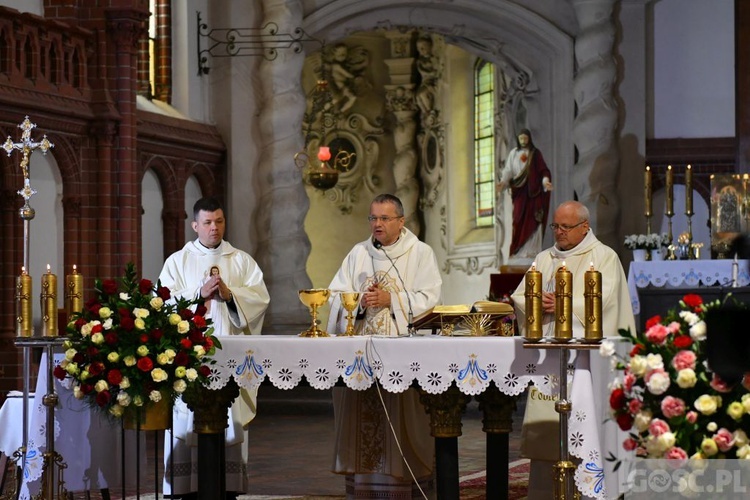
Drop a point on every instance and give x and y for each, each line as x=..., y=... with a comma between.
x=377, y=244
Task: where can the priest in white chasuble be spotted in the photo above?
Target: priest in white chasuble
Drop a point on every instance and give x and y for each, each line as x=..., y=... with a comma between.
x=231, y=285
x=578, y=248
x=398, y=278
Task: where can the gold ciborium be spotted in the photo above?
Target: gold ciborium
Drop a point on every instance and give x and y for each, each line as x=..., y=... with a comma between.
x=350, y=301
x=314, y=298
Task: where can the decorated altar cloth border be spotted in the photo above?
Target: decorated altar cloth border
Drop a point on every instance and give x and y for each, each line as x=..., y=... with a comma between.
x=683, y=273
x=432, y=362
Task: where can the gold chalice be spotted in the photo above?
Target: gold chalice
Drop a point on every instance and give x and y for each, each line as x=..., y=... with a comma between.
x=314, y=298
x=350, y=301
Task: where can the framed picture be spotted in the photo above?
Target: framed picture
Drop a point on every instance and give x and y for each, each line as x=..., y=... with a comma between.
x=729, y=212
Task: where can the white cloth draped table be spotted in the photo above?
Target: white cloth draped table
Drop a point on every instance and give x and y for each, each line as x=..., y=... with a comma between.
x=433, y=362
x=683, y=274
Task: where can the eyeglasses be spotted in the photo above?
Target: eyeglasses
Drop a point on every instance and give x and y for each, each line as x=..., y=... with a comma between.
x=562, y=227
x=383, y=218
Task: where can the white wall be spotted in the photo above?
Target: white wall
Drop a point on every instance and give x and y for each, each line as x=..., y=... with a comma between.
x=152, y=227
x=693, y=69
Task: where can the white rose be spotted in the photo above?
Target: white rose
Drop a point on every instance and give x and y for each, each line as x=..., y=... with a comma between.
x=113, y=356
x=170, y=354
x=180, y=371
x=156, y=303
x=689, y=317
x=706, y=404
x=124, y=383
x=698, y=331
x=100, y=386
x=140, y=312
x=123, y=398
x=154, y=396
x=105, y=312
x=711, y=427
x=174, y=318
x=139, y=324
x=72, y=368
x=77, y=393
x=746, y=402
x=130, y=360
x=607, y=348
x=658, y=383
x=183, y=327
x=191, y=374
x=107, y=325
x=124, y=296
x=137, y=400
x=159, y=375
x=686, y=378
x=638, y=365
x=162, y=358
x=642, y=420
x=654, y=361
x=86, y=329
x=743, y=452
x=199, y=351
x=97, y=338
x=142, y=350
x=116, y=410
x=179, y=386
x=666, y=441
x=70, y=354
x=740, y=438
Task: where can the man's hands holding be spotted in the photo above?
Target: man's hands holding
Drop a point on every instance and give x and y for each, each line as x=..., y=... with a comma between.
x=216, y=287
x=376, y=297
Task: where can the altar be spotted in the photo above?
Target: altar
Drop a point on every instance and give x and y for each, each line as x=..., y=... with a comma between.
x=655, y=285
x=433, y=364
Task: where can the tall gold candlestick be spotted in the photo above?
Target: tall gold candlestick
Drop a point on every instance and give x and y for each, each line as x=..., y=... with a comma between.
x=74, y=292
x=563, y=304
x=689, y=191
x=49, y=304
x=593, y=305
x=648, y=194
x=533, y=297
x=24, y=324
x=670, y=191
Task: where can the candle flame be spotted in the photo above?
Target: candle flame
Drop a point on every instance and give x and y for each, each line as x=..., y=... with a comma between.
x=533, y=266
x=324, y=153
x=592, y=265
x=23, y=269
x=648, y=168
x=74, y=268
x=669, y=167
x=48, y=268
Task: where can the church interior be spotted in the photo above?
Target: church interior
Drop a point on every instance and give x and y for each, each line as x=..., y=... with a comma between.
x=153, y=104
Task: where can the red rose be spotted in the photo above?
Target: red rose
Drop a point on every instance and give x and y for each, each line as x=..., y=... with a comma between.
x=143, y=338
x=195, y=337
x=97, y=329
x=59, y=372
x=79, y=323
x=624, y=421
x=157, y=334
x=617, y=399
x=114, y=377
x=209, y=343
x=654, y=320
x=95, y=309
x=92, y=351
x=78, y=358
x=186, y=343
x=145, y=286
x=204, y=370
x=199, y=321
x=693, y=301
x=102, y=399
x=636, y=350
x=111, y=338
x=127, y=324
x=96, y=368
x=201, y=310
x=86, y=388
x=164, y=293
x=145, y=364
x=91, y=303
x=124, y=312
x=186, y=314
x=682, y=342
x=181, y=359
x=109, y=287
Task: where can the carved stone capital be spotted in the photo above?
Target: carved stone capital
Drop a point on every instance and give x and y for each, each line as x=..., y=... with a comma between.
x=445, y=411
x=210, y=407
x=497, y=409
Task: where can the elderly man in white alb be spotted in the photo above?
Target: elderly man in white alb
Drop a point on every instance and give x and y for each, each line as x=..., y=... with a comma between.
x=576, y=245
x=231, y=285
x=398, y=278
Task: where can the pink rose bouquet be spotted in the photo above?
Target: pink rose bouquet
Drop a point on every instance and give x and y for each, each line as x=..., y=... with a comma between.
x=668, y=398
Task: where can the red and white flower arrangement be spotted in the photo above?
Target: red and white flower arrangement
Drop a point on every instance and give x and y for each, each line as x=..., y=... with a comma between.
x=667, y=397
x=132, y=345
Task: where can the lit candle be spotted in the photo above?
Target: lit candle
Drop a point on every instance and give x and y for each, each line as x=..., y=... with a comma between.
x=647, y=191
x=324, y=153
x=689, y=191
x=563, y=304
x=49, y=304
x=593, y=304
x=533, y=297
x=73, y=292
x=670, y=191
x=24, y=326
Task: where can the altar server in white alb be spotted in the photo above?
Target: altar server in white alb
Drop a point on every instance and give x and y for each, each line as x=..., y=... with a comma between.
x=231, y=285
x=578, y=248
x=398, y=278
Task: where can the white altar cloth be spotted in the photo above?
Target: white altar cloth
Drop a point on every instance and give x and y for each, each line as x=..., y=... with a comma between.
x=433, y=362
x=683, y=274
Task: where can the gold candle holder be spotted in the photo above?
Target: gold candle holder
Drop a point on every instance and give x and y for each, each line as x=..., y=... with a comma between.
x=533, y=297
x=593, y=305
x=689, y=191
x=563, y=304
x=24, y=324
x=73, y=292
x=670, y=191
x=48, y=300
x=648, y=198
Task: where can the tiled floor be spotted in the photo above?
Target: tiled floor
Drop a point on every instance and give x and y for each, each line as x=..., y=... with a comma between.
x=291, y=447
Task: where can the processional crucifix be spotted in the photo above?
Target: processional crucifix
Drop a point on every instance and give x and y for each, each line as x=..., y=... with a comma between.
x=50, y=490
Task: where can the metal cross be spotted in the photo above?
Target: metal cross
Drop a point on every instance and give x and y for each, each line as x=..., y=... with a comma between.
x=27, y=146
